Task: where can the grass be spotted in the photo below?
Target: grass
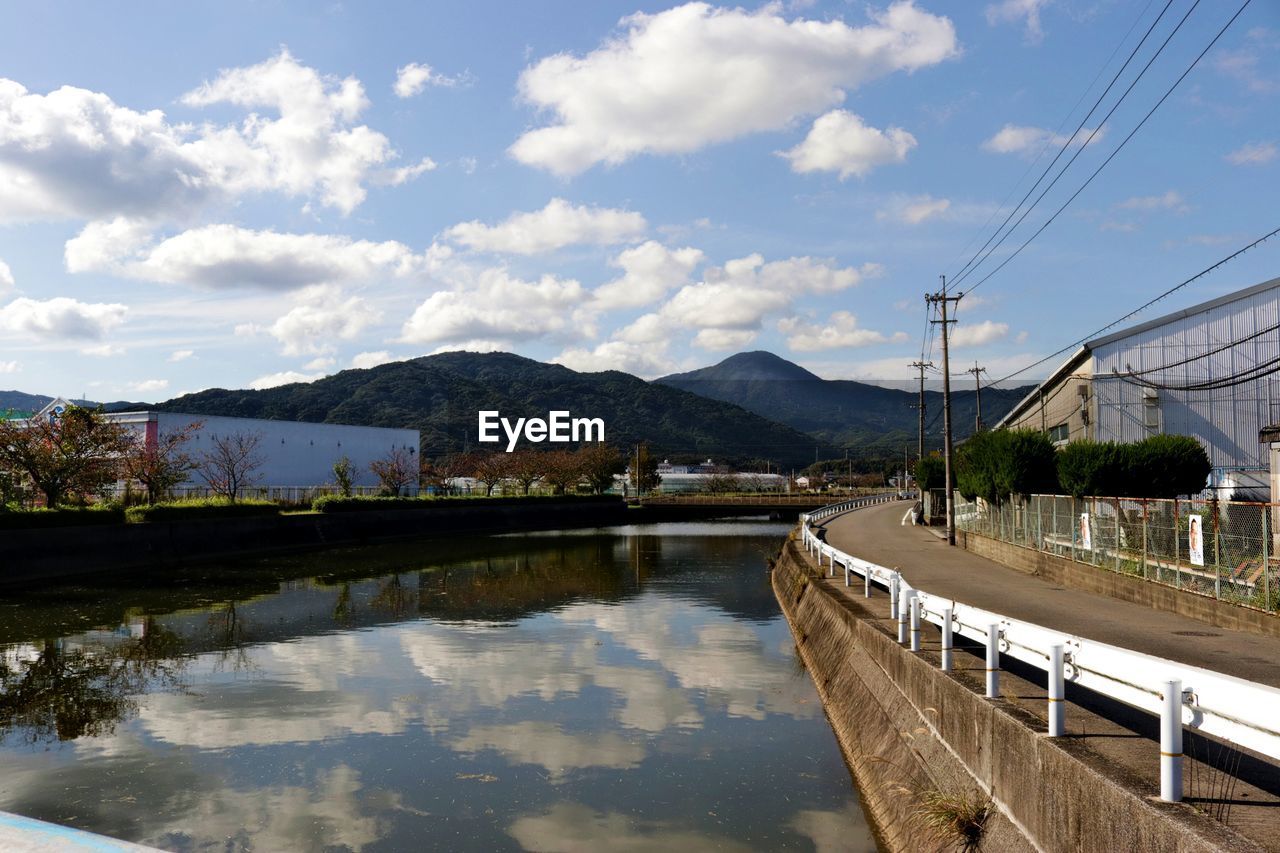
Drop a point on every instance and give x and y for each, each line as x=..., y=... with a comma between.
x=199, y=509
x=957, y=817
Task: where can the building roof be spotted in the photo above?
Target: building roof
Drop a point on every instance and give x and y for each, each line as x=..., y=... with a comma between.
x=1079, y=356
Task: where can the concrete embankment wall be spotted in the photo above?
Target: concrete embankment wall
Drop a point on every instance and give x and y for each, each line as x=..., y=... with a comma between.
x=27, y=555
x=1068, y=573
x=905, y=727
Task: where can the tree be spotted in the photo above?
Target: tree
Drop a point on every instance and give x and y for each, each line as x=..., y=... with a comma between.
x=490, y=469
x=997, y=464
x=563, y=470
x=600, y=465
x=525, y=467
x=931, y=473
x=344, y=471
x=231, y=464
x=447, y=468
x=719, y=484
x=77, y=453
x=644, y=471
x=161, y=464
x=395, y=470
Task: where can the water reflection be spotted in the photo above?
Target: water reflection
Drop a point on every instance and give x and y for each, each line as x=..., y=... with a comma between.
x=629, y=688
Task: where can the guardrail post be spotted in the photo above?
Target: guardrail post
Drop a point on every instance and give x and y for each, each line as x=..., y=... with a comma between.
x=993, y=660
x=902, y=619
x=893, y=596
x=1057, y=690
x=915, y=623
x=846, y=572
x=866, y=582
x=946, y=640
x=1171, y=743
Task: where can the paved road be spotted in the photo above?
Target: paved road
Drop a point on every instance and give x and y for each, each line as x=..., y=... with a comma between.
x=877, y=535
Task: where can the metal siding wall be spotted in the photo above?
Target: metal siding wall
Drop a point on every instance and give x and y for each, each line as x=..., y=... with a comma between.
x=1226, y=420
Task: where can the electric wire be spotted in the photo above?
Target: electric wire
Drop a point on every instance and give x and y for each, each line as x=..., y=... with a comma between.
x=1118, y=148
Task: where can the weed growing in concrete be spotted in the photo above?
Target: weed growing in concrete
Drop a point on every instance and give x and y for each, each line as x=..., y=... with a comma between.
x=957, y=817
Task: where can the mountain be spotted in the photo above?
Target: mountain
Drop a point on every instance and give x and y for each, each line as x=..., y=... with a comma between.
x=440, y=395
x=869, y=420
x=20, y=401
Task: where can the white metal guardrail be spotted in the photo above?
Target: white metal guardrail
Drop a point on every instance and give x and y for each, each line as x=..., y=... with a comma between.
x=1235, y=710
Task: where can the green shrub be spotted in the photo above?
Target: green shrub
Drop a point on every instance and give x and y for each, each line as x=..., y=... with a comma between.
x=931, y=473
x=1163, y=466
x=201, y=508
x=995, y=465
x=20, y=519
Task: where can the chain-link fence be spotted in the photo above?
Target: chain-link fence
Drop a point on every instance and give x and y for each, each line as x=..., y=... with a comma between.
x=1219, y=548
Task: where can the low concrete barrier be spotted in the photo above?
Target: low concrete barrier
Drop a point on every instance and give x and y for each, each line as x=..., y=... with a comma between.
x=35, y=836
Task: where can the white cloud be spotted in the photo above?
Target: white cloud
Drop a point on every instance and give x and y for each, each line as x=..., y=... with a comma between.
x=679, y=80
x=149, y=386
x=1245, y=64
x=413, y=78
x=842, y=331
x=6, y=277
x=1026, y=11
x=320, y=318
x=76, y=153
x=404, y=174
x=556, y=751
x=840, y=142
x=645, y=360
x=496, y=306
x=61, y=318
x=1170, y=200
x=555, y=226
x=650, y=271
x=285, y=377
x=320, y=363
x=912, y=210
x=228, y=256
x=1253, y=153
x=10, y=367
x=365, y=360
x=103, y=351
x=977, y=334
x=568, y=827
x=1028, y=141
x=646, y=329
x=181, y=355
x=723, y=339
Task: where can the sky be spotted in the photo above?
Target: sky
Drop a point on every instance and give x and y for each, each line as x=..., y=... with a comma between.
x=244, y=194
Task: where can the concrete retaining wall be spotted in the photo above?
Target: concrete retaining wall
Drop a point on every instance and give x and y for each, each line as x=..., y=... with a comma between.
x=1066, y=572
x=905, y=726
x=27, y=555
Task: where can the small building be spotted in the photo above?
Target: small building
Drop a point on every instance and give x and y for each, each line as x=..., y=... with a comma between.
x=1207, y=371
x=294, y=453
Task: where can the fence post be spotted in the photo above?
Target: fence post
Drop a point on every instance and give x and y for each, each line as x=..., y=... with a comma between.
x=915, y=623
x=1171, y=743
x=1054, y=529
x=1177, y=548
x=993, y=660
x=1266, y=556
x=1217, y=548
x=1117, y=543
x=846, y=572
x=946, y=640
x=1144, y=538
x=1074, y=519
x=902, y=619
x=1057, y=707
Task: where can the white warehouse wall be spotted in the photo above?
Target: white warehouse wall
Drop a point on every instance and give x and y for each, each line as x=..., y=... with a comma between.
x=294, y=453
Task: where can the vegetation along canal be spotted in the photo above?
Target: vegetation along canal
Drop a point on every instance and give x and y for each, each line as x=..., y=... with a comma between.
x=622, y=688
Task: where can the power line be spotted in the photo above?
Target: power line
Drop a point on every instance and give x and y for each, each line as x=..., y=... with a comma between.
x=974, y=262
x=1237, y=253
x=1119, y=148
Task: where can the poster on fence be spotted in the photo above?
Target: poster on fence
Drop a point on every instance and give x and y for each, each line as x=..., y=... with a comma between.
x=1086, y=538
x=1195, y=540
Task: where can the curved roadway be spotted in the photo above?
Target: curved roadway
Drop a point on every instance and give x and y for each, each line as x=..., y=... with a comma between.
x=876, y=534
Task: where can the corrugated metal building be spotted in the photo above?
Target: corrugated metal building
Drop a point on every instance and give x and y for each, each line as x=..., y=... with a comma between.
x=1206, y=371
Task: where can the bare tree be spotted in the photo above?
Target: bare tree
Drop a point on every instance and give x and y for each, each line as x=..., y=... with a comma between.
x=526, y=468
x=443, y=471
x=77, y=453
x=719, y=484
x=231, y=463
x=395, y=470
x=161, y=464
x=562, y=470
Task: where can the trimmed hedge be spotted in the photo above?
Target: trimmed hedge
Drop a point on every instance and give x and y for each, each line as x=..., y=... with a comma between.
x=996, y=465
x=931, y=473
x=375, y=503
x=1163, y=466
x=27, y=519
x=206, y=508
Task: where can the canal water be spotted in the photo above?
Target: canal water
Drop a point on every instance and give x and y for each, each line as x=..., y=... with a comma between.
x=628, y=688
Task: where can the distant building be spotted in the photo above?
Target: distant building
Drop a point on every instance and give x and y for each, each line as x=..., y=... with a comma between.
x=665, y=467
x=1207, y=371
x=294, y=453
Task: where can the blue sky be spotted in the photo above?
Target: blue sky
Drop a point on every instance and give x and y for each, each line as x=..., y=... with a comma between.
x=241, y=194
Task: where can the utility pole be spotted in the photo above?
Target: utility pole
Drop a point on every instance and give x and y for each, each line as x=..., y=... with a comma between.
x=977, y=381
x=942, y=299
x=921, y=366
